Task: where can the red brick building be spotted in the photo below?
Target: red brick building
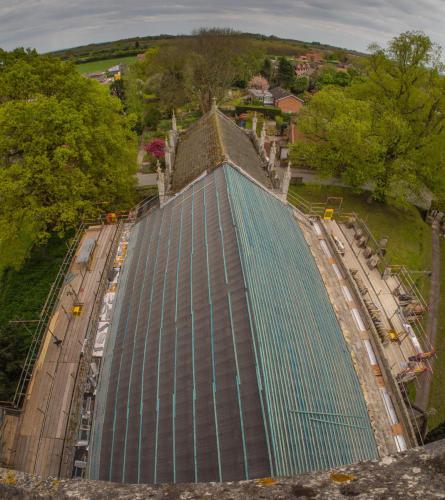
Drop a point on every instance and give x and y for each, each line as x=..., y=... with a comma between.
x=287, y=102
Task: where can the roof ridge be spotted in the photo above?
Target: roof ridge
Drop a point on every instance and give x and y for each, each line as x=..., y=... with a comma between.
x=219, y=135
x=195, y=124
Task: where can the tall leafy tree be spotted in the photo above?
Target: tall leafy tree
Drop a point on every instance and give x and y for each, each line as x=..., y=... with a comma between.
x=301, y=84
x=388, y=127
x=194, y=70
x=285, y=73
x=267, y=70
x=218, y=57
x=66, y=148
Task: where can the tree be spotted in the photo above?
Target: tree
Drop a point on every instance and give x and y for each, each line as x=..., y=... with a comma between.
x=285, y=73
x=192, y=70
x=339, y=137
x=259, y=82
x=267, y=70
x=65, y=148
x=218, y=57
x=156, y=147
x=388, y=127
x=117, y=89
x=301, y=84
x=331, y=76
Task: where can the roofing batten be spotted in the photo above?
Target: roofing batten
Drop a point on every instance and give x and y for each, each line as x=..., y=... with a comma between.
x=315, y=408
x=227, y=358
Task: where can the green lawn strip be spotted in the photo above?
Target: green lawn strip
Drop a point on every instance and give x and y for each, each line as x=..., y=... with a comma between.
x=103, y=65
x=437, y=395
x=409, y=235
x=409, y=244
x=22, y=295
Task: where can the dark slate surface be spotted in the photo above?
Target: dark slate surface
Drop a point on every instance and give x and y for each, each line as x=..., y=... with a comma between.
x=182, y=402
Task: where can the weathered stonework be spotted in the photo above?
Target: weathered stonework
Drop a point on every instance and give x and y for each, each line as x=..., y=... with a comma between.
x=418, y=473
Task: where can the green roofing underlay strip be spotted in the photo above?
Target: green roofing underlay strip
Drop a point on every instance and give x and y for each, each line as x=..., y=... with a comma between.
x=315, y=407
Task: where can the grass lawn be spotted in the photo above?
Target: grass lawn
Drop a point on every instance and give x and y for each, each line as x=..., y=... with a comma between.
x=103, y=65
x=409, y=236
x=409, y=244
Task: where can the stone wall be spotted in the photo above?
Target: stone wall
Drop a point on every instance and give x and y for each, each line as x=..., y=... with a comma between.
x=418, y=473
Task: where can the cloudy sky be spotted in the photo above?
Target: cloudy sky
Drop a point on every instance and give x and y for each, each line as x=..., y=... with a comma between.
x=55, y=24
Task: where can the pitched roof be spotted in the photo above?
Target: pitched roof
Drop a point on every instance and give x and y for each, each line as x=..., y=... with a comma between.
x=206, y=144
x=225, y=359
x=279, y=93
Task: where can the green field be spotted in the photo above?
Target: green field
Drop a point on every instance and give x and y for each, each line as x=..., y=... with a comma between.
x=409, y=244
x=96, y=66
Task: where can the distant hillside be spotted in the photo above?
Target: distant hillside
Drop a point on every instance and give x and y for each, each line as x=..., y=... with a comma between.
x=136, y=45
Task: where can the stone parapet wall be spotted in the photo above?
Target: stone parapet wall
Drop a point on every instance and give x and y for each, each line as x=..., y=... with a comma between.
x=417, y=473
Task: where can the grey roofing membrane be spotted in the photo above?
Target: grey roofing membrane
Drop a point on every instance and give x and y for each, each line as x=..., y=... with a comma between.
x=183, y=401
x=226, y=359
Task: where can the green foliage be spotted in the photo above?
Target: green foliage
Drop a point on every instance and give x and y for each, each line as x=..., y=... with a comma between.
x=409, y=235
x=386, y=128
x=117, y=89
x=65, y=146
x=285, y=73
x=331, y=76
x=267, y=70
x=194, y=70
x=341, y=143
x=301, y=84
x=436, y=434
x=269, y=111
x=22, y=295
x=152, y=116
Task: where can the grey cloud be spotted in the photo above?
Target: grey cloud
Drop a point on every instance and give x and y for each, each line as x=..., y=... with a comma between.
x=53, y=24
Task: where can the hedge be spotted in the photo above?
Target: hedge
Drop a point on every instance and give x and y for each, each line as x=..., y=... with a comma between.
x=269, y=111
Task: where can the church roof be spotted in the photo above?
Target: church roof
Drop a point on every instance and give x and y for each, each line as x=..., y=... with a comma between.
x=226, y=360
x=206, y=144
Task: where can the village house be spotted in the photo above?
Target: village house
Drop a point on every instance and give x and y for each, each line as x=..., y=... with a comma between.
x=303, y=69
x=99, y=76
x=286, y=101
x=261, y=95
x=316, y=57
x=114, y=70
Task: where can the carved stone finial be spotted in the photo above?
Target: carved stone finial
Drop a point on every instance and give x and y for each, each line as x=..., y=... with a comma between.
x=172, y=140
x=214, y=105
x=263, y=137
x=160, y=182
x=285, y=182
x=168, y=158
x=254, y=123
x=272, y=156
